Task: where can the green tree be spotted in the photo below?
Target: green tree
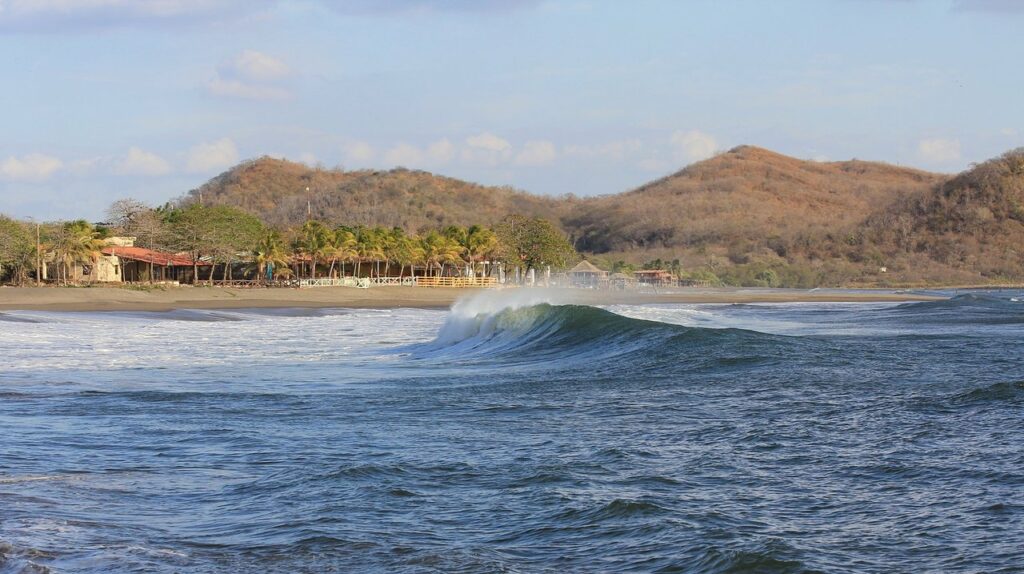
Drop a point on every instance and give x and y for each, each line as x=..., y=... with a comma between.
x=342, y=249
x=75, y=243
x=439, y=250
x=477, y=243
x=17, y=250
x=270, y=253
x=533, y=242
x=369, y=246
x=219, y=233
x=315, y=242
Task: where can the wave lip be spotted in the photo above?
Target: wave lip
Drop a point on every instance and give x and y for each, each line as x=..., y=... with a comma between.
x=524, y=330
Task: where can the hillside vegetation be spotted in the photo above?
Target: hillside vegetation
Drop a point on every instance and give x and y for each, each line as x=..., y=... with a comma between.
x=275, y=190
x=748, y=216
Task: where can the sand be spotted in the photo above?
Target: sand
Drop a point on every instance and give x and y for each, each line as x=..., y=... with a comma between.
x=187, y=297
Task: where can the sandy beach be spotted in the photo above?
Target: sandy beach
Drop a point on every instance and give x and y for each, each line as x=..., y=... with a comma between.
x=124, y=299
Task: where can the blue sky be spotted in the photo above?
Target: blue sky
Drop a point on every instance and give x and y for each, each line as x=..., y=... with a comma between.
x=104, y=99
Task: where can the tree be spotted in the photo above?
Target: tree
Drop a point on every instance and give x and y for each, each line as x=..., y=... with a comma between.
x=219, y=232
x=408, y=252
x=342, y=248
x=314, y=243
x=369, y=246
x=529, y=243
x=479, y=243
x=75, y=242
x=269, y=256
x=439, y=250
x=17, y=250
x=124, y=214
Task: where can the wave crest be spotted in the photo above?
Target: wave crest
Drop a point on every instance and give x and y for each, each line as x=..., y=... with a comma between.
x=527, y=328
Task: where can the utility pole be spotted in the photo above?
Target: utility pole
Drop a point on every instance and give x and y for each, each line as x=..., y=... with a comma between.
x=309, y=206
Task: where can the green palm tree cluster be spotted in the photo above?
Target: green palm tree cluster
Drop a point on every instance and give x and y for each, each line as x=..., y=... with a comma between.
x=375, y=251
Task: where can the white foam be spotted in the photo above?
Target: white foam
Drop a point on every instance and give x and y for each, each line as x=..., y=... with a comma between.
x=476, y=316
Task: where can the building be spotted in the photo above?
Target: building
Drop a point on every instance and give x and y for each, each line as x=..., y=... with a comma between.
x=622, y=281
x=587, y=275
x=119, y=261
x=658, y=277
x=139, y=264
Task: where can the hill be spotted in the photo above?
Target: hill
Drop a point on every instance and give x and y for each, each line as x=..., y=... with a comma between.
x=746, y=195
x=275, y=189
x=970, y=226
x=748, y=216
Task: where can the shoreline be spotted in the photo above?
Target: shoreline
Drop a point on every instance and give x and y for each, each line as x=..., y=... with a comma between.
x=98, y=299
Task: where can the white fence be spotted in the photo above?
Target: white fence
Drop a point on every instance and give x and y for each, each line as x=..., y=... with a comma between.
x=360, y=282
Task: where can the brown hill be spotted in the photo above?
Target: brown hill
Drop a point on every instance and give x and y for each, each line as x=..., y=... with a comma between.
x=275, y=189
x=744, y=198
x=971, y=226
x=748, y=216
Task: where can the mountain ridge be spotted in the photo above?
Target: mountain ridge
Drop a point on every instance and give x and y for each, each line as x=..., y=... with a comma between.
x=745, y=213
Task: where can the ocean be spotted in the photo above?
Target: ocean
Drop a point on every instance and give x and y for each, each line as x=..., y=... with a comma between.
x=516, y=432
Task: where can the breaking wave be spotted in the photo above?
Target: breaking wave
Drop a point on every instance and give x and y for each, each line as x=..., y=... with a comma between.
x=527, y=330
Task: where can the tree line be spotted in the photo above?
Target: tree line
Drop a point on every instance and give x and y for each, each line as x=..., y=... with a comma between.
x=228, y=240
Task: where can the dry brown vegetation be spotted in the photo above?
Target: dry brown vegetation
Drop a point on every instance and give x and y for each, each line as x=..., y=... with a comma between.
x=747, y=217
x=416, y=201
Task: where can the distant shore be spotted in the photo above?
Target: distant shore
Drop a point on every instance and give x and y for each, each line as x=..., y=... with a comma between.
x=156, y=299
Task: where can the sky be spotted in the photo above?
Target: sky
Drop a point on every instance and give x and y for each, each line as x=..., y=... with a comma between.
x=107, y=99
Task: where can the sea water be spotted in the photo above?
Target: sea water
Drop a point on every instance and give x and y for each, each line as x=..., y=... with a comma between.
x=516, y=432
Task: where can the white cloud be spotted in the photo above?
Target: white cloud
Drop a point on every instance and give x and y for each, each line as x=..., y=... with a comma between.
x=536, y=153
x=259, y=67
x=404, y=155
x=140, y=162
x=441, y=151
x=359, y=152
x=692, y=146
x=486, y=148
x=31, y=167
x=489, y=142
x=616, y=150
x=210, y=156
x=251, y=75
x=939, y=151
x=1008, y=132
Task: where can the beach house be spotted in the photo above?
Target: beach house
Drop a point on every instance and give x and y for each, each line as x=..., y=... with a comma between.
x=587, y=275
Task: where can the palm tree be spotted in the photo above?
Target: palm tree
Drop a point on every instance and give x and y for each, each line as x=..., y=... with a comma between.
x=314, y=243
x=439, y=250
x=77, y=242
x=369, y=246
x=269, y=254
x=479, y=242
x=342, y=248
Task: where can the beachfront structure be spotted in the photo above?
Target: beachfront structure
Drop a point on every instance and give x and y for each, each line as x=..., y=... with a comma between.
x=120, y=261
x=104, y=268
x=585, y=274
x=139, y=264
x=622, y=282
x=654, y=277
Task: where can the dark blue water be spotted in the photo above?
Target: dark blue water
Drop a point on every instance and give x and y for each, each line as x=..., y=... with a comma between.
x=822, y=438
